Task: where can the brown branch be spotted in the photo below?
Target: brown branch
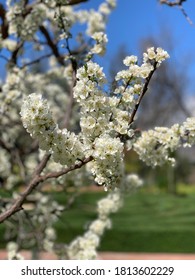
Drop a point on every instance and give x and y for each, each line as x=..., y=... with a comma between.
x=15, y=53
x=144, y=90
x=17, y=205
x=71, y=101
x=180, y=6
x=4, y=25
x=36, y=60
x=171, y=4
x=4, y=57
x=5, y=146
x=66, y=170
x=52, y=45
x=37, y=179
x=75, y=2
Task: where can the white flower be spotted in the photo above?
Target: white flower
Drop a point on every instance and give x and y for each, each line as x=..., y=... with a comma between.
x=13, y=254
x=154, y=146
x=104, y=9
x=130, y=60
x=187, y=131
x=98, y=226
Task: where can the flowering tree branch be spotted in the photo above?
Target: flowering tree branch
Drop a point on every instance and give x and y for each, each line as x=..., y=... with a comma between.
x=37, y=178
x=144, y=90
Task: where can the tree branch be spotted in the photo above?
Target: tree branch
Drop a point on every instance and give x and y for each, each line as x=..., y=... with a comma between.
x=17, y=206
x=171, y=4
x=52, y=46
x=71, y=101
x=37, y=60
x=15, y=53
x=37, y=179
x=144, y=90
x=180, y=6
x=66, y=170
x=75, y=2
x=4, y=25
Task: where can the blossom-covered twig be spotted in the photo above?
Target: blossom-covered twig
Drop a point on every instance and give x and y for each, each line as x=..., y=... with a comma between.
x=144, y=90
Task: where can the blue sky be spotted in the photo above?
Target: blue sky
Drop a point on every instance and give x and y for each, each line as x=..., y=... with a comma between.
x=134, y=20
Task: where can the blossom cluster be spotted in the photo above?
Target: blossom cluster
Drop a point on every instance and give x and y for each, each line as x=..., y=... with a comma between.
x=187, y=131
x=155, y=147
x=152, y=58
x=25, y=27
x=12, y=88
x=65, y=147
x=108, y=164
x=96, y=113
x=12, y=251
x=85, y=247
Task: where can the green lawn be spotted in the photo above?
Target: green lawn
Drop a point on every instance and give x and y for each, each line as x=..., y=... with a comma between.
x=148, y=222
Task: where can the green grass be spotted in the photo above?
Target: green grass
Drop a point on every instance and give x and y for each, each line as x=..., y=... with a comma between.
x=148, y=222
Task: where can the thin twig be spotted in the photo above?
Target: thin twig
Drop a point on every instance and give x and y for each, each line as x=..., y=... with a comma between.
x=4, y=57
x=177, y=3
x=144, y=90
x=171, y=4
x=36, y=60
x=66, y=170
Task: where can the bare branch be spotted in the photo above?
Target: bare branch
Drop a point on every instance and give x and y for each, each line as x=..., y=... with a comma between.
x=4, y=57
x=171, y=4
x=17, y=205
x=75, y=2
x=15, y=53
x=41, y=165
x=37, y=179
x=36, y=60
x=66, y=170
x=4, y=25
x=52, y=45
x=177, y=3
x=71, y=101
x=5, y=146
